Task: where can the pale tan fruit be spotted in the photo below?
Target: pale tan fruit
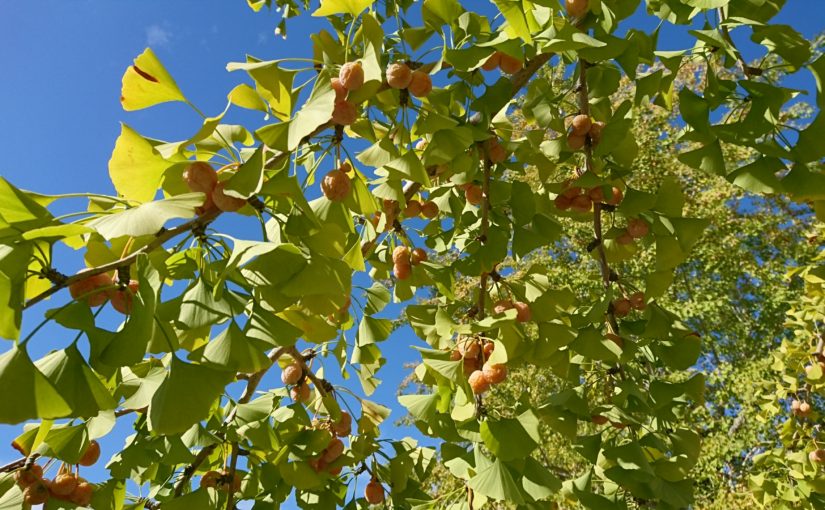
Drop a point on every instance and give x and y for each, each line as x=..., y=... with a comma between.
x=595, y=132
x=469, y=348
x=509, y=64
x=300, y=393
x=351, y=75
x=122, y=299
x=402, y=271
x=494, y=373
x=334, y=449
x=524, y=313
x=581, y=125
x=336, y=185
x=91, y=455
x=340, y=91
x=421, y=84
x=637, y=300
x=817, y=456
x=292, y=373
x=401, y=254
x=804, y=409
x=488, y=349
x=374, y=492
x=344, y=113
x=225, y=202
x=492, y=61
x=27, y=477
x=576, y=8
x=622, y=307
x=429, y=209
x=36, y=493
x=63, y=484
x=478, y=383
x=575, y=142
x=399, y=75
x=502, y=306
x=473, y=194
x=200, y=177
x=418, y=256
x=86, y=287
x=343, y=427
x=637, y=228
x=421, y=144
x=82, y=494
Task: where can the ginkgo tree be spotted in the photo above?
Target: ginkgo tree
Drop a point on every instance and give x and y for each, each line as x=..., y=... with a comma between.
x=388, y=158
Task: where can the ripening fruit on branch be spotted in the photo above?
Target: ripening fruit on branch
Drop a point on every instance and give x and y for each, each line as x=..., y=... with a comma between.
x=210, y=479
x=420, y=84
x=478, y=383
x=581, y=204
x=300, y=393
x=509, y=64
x=616, y=339
x=413, y=209
x=800, y=409
x=470, y=365
x=91, y=455
x=575, y=142
x=336, y=184
x=622, y=307
x=576, y=8
x=418, y=256
x=351, y=75
x=26, y=477
x=598, y=419
x=82, y=494
x=401, y=254
x=637, y=228
x=524, y=314
x=87, y=286
x=596, y=194
x=473, y=194
x=496, y=152
x=580, y=125
x=36, y=493
x=637, y=300
x=624, y=238
x=344, y=113
x=399, y=75
x=616, y=196
x=429, y=209
x=63, y=485
x=817, y=456
x=343, y=427
x=334, y=449
x=492, y=61
x=595, y=132
x=374, y=492
x=402, y=270
x=488, y=349
x=225, y=202
x=562, y=203
x=292, y=373
x=502, y=306
x=340, y=91
x=468, y=347
x=122, y=299
x=494, y=373
x=200, y=177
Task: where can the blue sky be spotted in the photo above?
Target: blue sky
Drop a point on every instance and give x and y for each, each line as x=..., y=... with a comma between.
x=62, y=65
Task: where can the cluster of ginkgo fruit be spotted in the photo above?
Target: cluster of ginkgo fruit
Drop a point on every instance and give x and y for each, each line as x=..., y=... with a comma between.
x=403, y=260
x=97, y=289
x=200, y=177
x=65, y=486
x=293, y=375
x=624, y=305
x=480, y=373
x=803, y=410
x=335, y=448
x=582, y=129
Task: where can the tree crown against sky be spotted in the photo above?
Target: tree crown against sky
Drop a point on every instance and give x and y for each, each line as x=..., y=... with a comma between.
x=389, y=170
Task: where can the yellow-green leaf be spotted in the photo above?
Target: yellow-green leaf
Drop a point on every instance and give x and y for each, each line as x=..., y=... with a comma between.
x=147, y=83
x=135, y=168
x=330, y=7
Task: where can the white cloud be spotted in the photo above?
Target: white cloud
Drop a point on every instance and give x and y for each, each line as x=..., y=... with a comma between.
x=156, y=35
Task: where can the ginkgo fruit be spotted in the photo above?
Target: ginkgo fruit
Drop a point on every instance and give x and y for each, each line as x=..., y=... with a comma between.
x=599, y=419
x=637, y=228
x=817, y=456
x=200, y=177
x=596, y=194
x=473, y=194
x=374, y=492
x=502, y=306
x=495, y=151
x=36, y=493
x=336, y=185
x=91, y=455
x=122, y=299
x=637, y=300
x=581, y=204
x=224, y=202
x=343, y=427
x=576, y=8
x=624, y=238
x=455, y=355
x=622, y=307
x=344, y=113
x=804, y=409
x=429, y=209
x=402, y=270
x=580, y=125
x=82, y=494
x=420, y=84
x=492, y=61
x=509, y=64
x=292, y=373
x=334, y=449
x=26, y=477
x=300, y=393
x=352, y=75
x=615, y=197
x=399, y=75
x=595, y=132
x=418, y=256
x=340, y=90
x=63, y=484
x=488, y=349
x=524, y=314
x=575, y=142
x=562, y=202
x=478, y=383
x=85, y=289
x=469, y=348
x=494, y=373
x=401, y=254
x=413, y=209
x=210, y=479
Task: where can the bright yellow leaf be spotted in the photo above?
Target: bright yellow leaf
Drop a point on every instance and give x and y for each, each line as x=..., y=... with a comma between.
x=147, y=83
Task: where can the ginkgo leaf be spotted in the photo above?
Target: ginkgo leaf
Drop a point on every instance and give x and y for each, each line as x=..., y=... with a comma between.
x=147, y=83
x=148, y=218
x=354, y=7
x=135, y=167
